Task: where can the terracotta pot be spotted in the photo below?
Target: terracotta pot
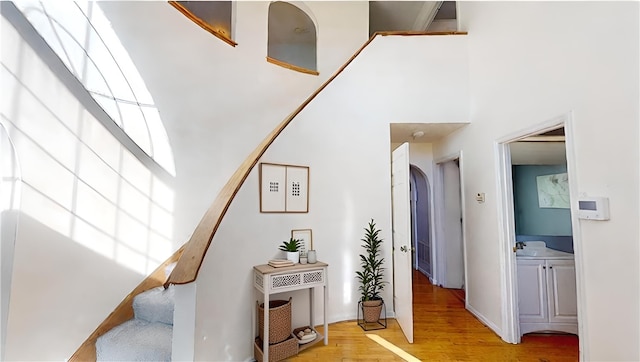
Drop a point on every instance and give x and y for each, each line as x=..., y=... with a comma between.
x=371, y=310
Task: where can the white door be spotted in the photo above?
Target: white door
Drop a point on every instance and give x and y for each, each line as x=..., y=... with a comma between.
x=454, y=261
x=401, y=213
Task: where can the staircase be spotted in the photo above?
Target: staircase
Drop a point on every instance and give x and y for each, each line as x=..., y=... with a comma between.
x=146, y=337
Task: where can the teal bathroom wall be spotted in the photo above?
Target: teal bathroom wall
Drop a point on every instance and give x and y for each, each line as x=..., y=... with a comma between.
x=530, y=218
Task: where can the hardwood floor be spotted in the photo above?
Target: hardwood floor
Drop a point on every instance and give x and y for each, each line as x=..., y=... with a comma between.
x=443, y=331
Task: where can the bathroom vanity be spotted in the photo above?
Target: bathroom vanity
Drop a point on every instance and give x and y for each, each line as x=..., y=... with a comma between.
x=546, y=289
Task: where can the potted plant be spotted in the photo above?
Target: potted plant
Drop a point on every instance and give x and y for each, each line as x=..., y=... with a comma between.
x=371, y=275
x=291, y=247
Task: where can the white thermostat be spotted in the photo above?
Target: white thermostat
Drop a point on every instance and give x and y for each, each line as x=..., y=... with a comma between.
x=593, y=208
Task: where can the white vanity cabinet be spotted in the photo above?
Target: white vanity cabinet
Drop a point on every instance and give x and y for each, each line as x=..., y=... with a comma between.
x=547, y=294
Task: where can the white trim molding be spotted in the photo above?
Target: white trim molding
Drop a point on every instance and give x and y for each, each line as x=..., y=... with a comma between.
x=510, y=320
x=506, y=221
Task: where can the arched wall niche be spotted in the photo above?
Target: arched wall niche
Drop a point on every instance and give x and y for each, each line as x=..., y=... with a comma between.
x=292, y=37
x=216, y=17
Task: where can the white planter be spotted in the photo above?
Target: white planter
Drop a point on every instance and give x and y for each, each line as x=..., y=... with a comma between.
x=294, y=256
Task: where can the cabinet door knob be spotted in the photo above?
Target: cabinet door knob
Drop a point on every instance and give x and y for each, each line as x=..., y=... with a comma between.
x=544, y=267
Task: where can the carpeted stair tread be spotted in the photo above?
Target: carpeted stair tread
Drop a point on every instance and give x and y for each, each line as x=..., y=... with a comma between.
x=136, y=340
x=155, y=305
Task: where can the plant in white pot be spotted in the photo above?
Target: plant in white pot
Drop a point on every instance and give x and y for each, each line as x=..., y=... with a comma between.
x=371, y=276
x=292, y=248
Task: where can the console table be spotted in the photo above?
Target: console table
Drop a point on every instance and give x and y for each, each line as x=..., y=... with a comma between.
x=270, y=280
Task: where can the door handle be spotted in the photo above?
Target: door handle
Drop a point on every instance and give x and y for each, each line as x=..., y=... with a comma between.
x=403, y=248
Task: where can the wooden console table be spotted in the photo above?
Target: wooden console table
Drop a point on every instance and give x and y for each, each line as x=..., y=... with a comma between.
x=270, y=280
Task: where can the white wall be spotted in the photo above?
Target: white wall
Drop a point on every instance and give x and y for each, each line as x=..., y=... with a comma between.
x=9, y=215
x=216, y=105
x=344, y=137
x=530, y=62
x=216, y=101
x=93, y=219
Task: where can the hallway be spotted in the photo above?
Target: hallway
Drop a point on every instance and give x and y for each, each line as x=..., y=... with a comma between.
x=443, y=331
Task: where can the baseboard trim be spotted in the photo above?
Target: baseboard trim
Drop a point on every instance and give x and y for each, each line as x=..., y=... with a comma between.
x=483, y=319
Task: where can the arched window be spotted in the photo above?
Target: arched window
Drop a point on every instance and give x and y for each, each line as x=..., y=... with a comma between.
x=213, y=16
x=84, y=40
x=292, y=38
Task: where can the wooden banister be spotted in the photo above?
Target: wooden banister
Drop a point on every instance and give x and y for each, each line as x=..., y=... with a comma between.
x=186, y=271
x=124, y=311
x=190, y=256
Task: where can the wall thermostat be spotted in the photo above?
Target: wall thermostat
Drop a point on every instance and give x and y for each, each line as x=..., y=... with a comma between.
x=593, y=208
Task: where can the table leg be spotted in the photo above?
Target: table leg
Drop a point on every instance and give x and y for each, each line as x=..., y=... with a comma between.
x=265, y=332
x=326, y=325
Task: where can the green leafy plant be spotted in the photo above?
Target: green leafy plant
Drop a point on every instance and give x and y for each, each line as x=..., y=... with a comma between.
x=292, y=245
x=372, y=273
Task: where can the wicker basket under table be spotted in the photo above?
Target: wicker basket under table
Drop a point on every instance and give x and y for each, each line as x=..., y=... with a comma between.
x=279, y=320
x=278, y=351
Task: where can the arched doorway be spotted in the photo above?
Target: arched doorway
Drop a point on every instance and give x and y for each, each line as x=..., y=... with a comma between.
x=421, y=221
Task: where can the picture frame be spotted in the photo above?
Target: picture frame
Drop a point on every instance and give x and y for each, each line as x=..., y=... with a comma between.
x=284, y=188
x=306, y=237
x=297, y=199
x=272, y=187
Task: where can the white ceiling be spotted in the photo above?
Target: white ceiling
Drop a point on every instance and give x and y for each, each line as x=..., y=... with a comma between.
x=403, y=132
x=397, y=15
x=408, y=15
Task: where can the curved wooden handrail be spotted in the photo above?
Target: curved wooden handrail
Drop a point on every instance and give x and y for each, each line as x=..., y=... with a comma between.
x=186, y=271
x=190, y=256
x=124, y=310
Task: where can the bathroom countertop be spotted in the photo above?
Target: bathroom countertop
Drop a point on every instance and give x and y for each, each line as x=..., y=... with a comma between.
x=539, y=250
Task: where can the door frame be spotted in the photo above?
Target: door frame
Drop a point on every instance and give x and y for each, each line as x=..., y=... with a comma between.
x=413, y=195
x=438, y=257
x=506, y=225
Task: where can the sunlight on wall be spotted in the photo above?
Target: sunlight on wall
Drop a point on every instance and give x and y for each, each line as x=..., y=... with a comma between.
x=77, y=179
x=10, y=174
x=83, y=38
x=347, y=287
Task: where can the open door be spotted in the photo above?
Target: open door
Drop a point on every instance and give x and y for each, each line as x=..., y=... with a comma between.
x=401, y=213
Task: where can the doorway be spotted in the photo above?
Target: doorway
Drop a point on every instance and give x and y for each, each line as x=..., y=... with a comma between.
x=449, y=220
x=421, y=221
x=511, y=151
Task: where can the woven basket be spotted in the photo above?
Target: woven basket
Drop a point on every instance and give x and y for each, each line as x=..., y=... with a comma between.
x=279, y=320
x=278, y=351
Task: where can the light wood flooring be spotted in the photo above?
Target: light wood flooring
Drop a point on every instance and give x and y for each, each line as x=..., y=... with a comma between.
x=443, y=331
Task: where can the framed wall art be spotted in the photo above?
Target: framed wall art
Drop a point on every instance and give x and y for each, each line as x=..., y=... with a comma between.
x=284, y=188
x=306, y=237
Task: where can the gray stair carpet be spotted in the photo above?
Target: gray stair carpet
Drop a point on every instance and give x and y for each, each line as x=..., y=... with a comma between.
x=148, y=336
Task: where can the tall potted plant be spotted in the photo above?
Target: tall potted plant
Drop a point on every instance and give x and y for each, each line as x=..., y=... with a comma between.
x=371, y=276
